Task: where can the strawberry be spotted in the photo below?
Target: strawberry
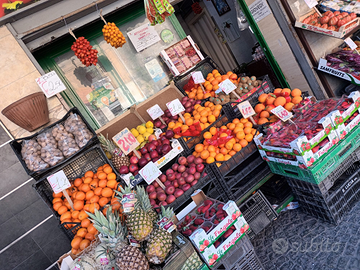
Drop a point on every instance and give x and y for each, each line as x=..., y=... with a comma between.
x=187, y=232
x=217, y=243
x=228, y=233
x=207, y=214
x=205, y=208
x=220, y=206
x=199, y=210
x=216, y=222
x=208, y=202
x=198, y=221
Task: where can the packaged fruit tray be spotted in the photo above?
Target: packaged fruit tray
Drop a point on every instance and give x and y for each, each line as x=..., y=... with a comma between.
x=206, y=66
x=323, y=167
x=70, y=123
x=309, y=21
x=90, y=160
x=213, y=227
x=258, y=212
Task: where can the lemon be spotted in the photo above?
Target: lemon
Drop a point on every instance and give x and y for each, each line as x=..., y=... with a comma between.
x=141, y=129
x=150, y=130
x=146, y=136
x=149, y=124
x=134, y=132
x=140, y=138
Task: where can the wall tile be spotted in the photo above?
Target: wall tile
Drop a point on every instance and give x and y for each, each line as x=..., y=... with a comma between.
x=11, y=230
x=7, y=157
x=56, y=248
x=33, y=214
x=12, y=177
x=37, y=261
x=47, y=232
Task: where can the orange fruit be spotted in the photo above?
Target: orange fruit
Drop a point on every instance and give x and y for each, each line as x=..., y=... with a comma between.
x=232, y=152
x=210, y=160
x=211, y=118
x=296, y=92
x=248, y=124
x=236, y=121
x=80, y=195
x=93, y=206
x=55, y=200
x=108, y=170
x=237, y=147
x=115, y=203
x=111, y=176
x=66, y=215
x=94, y=199
x=99, y=169
x=85, y=223
x=102, y=183
x=213, y=130
x=219, y=157
x=89, y=236
x=249, y=137
x=91, y=229
x=262, y=98
x=77, y=182
x=75, y=214
x=259, y=107
x=57, y=205
x=103, y=201
x=107, y=192
x=277, y=90
x=262, y=121
x=94, y=184
x=237, y=129
x=289, y=106
x=243, y=143
x=231, y=126
x=84, y=244
x=87, y=207
x=207, y=135
x=240, y=125
x=87, y=180
x=240, y=135
x=204, y=154
x=89, y=194
x=199, y=148
x=59, y=195
x=215, y=71
x=111, y=184
x=296, y=100
x=78, y=205
x=227, y=157
x=102, y=175
x=81, y=232
x=97, y=191
x=89, y=174
x=229, y=145
x=75, y=251
x=243, y=120
x=223, y=151
x=85, y=187
x=62, y=209
x=211, y=148
x=280, y=101
x=75, y=243
x=286, y=90
x=247, y=130
x=213, y=154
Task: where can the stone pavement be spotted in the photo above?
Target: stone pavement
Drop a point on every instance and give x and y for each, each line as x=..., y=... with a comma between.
x=297, y=241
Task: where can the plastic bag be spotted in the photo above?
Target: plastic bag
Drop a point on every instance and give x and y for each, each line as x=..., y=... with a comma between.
x=30, y=153
x=241, y=19
x=65, y=140
x=77, y=127
x=49, y=150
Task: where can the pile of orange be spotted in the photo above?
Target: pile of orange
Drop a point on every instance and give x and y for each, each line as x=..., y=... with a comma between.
x=204, y=115
x=243, y=133
x=284, y=97
x=211, y=84
x=93, y=190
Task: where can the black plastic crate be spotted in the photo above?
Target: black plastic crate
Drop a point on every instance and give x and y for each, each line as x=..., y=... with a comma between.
x=237, y=255
x=258, y=213
x=339, y=200
x=70, y=232
x=276, y=187
x=206, y=66
x=16, y=145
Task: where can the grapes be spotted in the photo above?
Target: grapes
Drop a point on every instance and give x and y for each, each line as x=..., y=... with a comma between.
x=84, y=51
x=113, y=35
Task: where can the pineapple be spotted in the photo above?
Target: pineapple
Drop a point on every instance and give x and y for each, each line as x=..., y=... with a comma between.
x=112, y=152
x=160, y=241
x=193, y=262
x=145, y=203
x=138, y=221
x=113, y=234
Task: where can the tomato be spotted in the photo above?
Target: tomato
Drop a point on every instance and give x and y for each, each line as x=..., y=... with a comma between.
x=344, y=14
x=353, y=15
x=324, y=20
x=317, y=25
x=331, y=15
x=307, y=20
x=327, y=13
x=341, y=22
x=333, y=21
x=336, y=13
x=325, y=26
x=347, y=18
x=331, y=28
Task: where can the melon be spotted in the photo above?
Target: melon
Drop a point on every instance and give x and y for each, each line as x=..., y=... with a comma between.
x=83, y=263
x=104, y=255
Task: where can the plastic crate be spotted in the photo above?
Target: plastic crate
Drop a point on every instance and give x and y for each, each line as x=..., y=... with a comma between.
x=276, y=187
x=16, y=145
x=258, y=213
x=339, y=200
x=70, y=233
x=206, y=66
x=330, y=165
x=240, y=250
x=90, y=160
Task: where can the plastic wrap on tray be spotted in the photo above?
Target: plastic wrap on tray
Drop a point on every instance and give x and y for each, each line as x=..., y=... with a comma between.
x=66, y=141
x=49, y=151
x=30, y=153
x=186, y=61
x=77, y=127
x=195, y=59
x=185, y=43
x=180, y=51
x=181, y=67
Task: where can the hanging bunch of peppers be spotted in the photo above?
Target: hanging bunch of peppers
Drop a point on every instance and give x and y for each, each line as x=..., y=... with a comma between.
x=84, y=51
x=158, y=10
x=112, y=34
x=196, y=8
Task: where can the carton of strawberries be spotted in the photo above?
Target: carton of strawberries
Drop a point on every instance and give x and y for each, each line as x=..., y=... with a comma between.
x=212, y=226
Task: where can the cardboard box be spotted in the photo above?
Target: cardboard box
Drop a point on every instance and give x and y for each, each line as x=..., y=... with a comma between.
x=65, y=260
x=343, y=30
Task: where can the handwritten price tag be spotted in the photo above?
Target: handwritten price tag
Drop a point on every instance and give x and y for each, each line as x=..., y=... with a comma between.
x=246, y=109
x=155, y=112
x=282, y=113
x=58, y=181
x=175, y=107
x=350, y=43
x=198, y=77
x=126, y=141
x=150, y=172
x=50, y=84
x=227, y=86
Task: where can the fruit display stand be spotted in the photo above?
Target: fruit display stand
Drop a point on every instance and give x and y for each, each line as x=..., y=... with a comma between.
x=18, y=144
x=90, y=160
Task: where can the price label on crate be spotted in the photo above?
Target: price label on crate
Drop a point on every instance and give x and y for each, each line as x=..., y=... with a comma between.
x=350, y=43
x=197, y=77
x=246, y=109
x=155, y=112
x=282, y=113
x=126, y=141
x=175, y=107
x=58, y=181
x=150, y=172
x=227, y=86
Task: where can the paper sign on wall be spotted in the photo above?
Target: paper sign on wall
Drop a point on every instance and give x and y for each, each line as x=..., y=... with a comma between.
x=311, y=3
x=175, y=107
x=197, y=77
x=58, y=181
x=227, y=86
x=126, y=141
x=50, y=84
x=259, y=10
x=150, y=172
x=155, y=112
x=143, y=37
x=282, y=113
x=246, y=109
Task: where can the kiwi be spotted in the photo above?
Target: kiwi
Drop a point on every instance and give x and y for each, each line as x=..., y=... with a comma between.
x=217, y=101
x=243, y=79
x=211, y=99
x=246, y=91
x=250, y=87
x=255, y=84
x=238, y=91
x=245, y=86
x=253, y=78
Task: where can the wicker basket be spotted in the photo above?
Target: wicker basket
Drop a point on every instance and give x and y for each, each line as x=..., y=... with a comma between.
x=30, y=112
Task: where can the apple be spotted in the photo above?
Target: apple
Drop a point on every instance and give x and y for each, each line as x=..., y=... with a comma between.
x=170, y=190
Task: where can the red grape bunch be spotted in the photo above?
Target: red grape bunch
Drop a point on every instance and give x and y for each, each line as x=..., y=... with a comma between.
x=84, y=51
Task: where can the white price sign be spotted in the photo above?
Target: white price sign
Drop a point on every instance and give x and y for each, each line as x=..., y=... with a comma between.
x=282, y=113
x=350, y=43
x=155, y=112
x=246, y=109
x=126, y=141
x=50, y=84
x=227, y=86
x=58, y=181
x=150, y=172
x=175, y=107
x=198, y=77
